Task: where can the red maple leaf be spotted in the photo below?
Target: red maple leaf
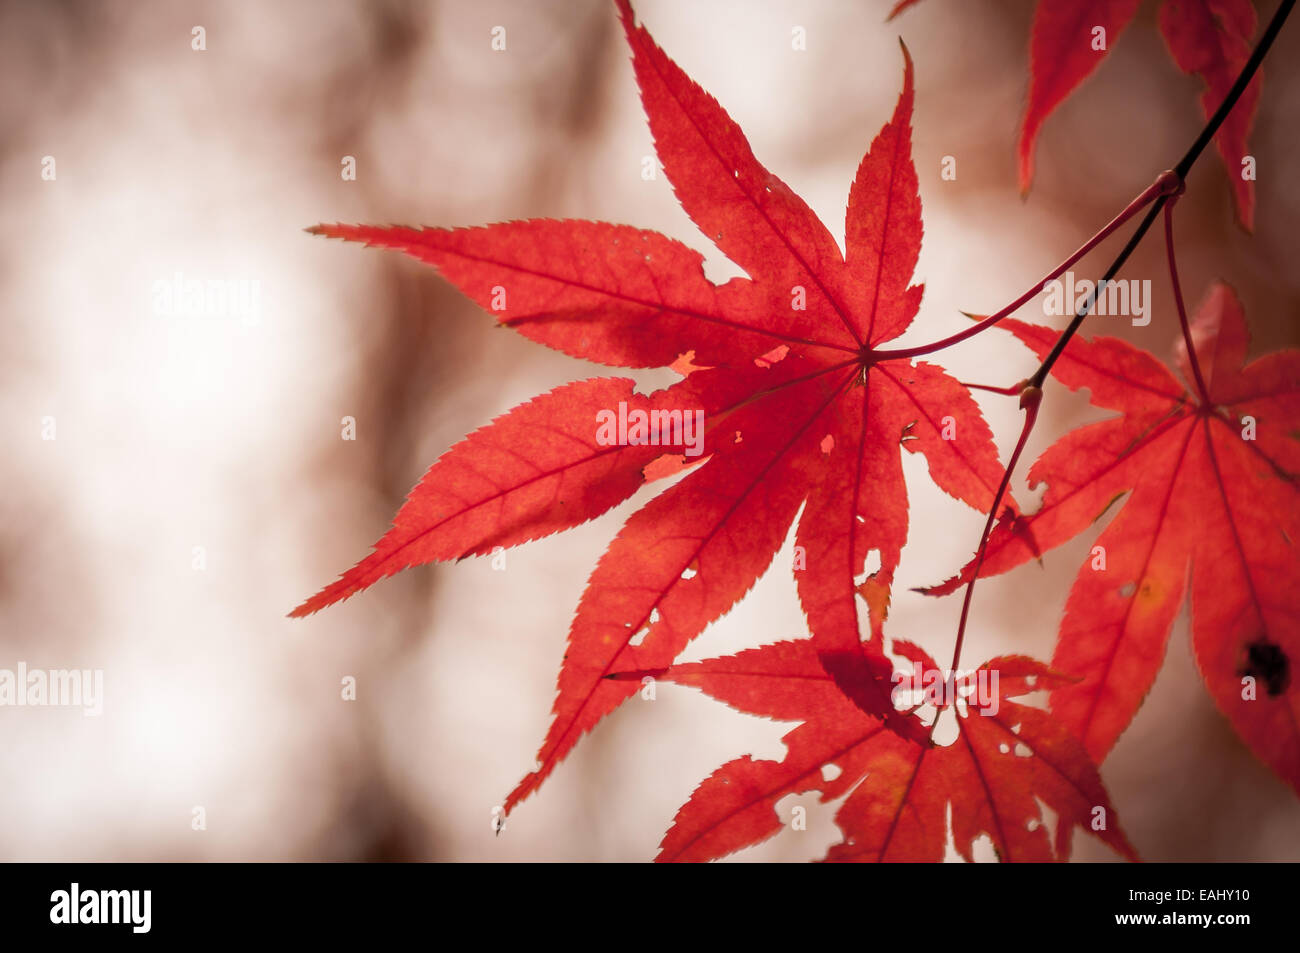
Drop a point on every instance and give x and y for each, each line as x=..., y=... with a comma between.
x=1062, y=54
x=803, y=406
x=1208, y=38
x=1006, y=758
x=1214, y=495
x=1211, y=39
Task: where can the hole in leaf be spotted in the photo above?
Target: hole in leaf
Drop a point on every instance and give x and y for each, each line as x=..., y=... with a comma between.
x=983, y=850
x=870, y=566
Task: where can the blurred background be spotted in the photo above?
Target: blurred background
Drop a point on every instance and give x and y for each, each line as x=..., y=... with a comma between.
x=197, y=485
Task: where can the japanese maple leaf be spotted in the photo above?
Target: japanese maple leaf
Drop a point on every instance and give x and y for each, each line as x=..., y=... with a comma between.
x=1213, y=503
x=802, y=406
x=1007, y=757
x=1208, y=38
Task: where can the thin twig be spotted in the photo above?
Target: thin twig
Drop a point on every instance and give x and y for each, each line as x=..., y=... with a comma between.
x=1030, y=398
x=1182, y=311
x=1011, y=391
x=1148, y=195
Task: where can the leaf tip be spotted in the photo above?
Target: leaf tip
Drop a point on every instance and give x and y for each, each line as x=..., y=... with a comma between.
x=304, y=610
x=308, y=608
x=328, y=231
x=907, y=64
x=898, y=8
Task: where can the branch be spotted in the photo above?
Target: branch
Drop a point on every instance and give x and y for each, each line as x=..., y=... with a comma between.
x=1169, y=186
x=1192, y=359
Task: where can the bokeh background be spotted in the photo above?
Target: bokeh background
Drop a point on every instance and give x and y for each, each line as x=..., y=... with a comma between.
x=176, y=432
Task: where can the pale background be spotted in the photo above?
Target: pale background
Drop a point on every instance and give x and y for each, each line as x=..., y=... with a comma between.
x=176, y=432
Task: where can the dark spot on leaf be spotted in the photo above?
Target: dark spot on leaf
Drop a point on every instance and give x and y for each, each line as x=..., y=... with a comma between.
x=1267, y=662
